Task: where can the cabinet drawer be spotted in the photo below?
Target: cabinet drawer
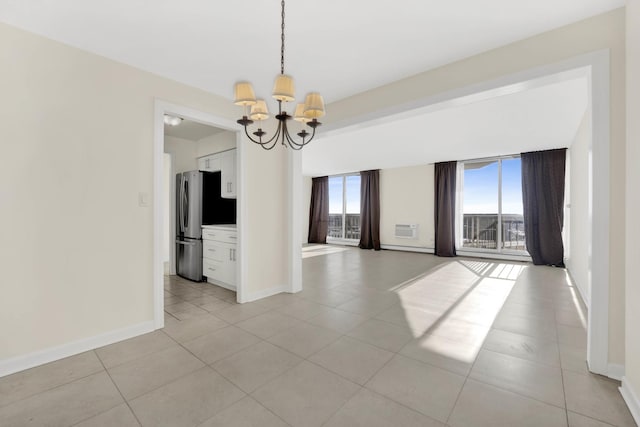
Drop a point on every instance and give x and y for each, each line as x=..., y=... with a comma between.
x=213, y=269
x=210, y=250
x=228, y=236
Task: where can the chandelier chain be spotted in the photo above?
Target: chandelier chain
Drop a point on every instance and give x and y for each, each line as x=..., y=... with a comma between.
x=282, y=41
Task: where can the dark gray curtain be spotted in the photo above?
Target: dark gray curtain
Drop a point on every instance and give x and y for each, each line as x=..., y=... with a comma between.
x=370, y=210
x=445, y=208
x=319, y=210
x=543, y=202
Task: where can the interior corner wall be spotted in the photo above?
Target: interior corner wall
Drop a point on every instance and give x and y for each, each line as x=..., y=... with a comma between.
x=632, y=368
x=76, y=153
x=605, y=31
x=406, y=197
x=579, y=262
x=183, y=153
x=306, y=205
x=216, y=143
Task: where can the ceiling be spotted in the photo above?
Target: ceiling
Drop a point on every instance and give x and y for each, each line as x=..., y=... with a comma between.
x=538, y=118
x=193, y=131
x=337, y=47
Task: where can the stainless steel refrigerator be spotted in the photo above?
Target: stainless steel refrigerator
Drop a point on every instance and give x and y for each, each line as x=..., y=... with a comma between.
x=189, y=197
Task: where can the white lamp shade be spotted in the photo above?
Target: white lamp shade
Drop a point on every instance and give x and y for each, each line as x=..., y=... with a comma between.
x=259, y=110
x=314, y=106
x=299, y=114
x=244, y=94
x=283, y=88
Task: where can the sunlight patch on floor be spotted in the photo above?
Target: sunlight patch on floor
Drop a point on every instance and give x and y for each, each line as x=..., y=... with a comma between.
x=451, y=309
x=317, y=250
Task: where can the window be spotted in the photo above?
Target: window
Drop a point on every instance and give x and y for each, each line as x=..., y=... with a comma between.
x=344, y=207
x=492, y=205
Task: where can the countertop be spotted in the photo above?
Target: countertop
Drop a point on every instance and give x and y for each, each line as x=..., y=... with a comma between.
x=227, y=226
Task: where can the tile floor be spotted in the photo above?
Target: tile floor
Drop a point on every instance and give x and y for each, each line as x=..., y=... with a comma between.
x=468, y=343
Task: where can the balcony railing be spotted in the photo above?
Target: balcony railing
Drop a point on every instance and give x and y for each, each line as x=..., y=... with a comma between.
x=481, y=231
x=351, y=229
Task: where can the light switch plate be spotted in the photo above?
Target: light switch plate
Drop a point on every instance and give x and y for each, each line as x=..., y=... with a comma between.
x=143, y=199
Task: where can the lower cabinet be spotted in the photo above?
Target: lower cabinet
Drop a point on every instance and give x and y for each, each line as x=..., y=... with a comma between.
x=219, y=256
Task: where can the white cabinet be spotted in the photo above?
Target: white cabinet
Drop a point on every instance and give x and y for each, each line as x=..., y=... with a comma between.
x=219, y=251
x=224, y=162
x=229, y=174
x=211, y=163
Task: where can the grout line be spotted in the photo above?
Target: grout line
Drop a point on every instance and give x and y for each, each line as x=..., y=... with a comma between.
x=120, y=392
x=564, y=392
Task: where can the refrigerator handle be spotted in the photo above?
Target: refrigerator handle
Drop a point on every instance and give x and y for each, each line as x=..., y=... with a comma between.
x=181, y=203
x=185, y=199
x=182, y=242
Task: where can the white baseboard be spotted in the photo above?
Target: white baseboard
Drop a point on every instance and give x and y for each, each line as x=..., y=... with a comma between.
x=408, y=248
x=253, y=296
x=631, y=399
x=615, y=371
x=40, y=357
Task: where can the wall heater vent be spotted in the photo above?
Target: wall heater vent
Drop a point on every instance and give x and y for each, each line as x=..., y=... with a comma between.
x=407, y=231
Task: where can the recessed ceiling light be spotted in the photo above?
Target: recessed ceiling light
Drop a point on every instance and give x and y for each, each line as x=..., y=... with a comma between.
x=172, y=120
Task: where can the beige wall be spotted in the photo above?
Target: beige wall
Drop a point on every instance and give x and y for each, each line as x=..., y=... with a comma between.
x=604, y=31
x=76, y=151
x=578, y=261
x=183, y=153
x=266, y=263
x=406, y=197
x=216, y=143
x=633, y=199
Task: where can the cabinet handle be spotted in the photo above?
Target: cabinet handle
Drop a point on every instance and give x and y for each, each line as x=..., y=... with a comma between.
x=211, y=269
x=233, y=237
x=211, y=250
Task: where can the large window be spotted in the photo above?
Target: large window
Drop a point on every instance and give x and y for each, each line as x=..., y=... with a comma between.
x=344, y=207
x=492, y=205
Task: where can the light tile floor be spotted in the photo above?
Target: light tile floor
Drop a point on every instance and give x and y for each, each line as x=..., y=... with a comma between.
x=375, y=339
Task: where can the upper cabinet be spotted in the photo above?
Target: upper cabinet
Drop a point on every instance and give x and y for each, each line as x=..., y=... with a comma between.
x=229, y=174
x=225, y=163
x=212, y=163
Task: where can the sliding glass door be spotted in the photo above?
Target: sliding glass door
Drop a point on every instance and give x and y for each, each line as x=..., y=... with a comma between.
x=492, y=218
x=344, y=207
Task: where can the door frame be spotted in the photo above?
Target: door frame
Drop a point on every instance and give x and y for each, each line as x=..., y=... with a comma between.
x=161, y=108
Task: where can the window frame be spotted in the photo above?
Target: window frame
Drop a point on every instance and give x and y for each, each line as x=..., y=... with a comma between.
x=460, y=212
x=343, y=239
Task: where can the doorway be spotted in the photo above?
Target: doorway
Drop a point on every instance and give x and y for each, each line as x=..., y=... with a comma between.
x=180, y=149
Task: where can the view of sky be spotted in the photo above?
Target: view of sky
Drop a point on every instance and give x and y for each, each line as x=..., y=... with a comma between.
x=481, y=188
x=353, y=194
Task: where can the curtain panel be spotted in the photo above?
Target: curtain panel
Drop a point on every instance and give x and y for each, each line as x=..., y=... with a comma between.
x=319, y=210
x=445, y=208
x=543, y=181
x=370, y=210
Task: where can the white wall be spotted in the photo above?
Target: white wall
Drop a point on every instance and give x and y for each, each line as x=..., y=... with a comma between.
x=579, y=260
x=306, y=205
x=168, y=186
x=632, y=372
x=76, y=151
x=406, y=197
x=604, y=31
x=216, y=143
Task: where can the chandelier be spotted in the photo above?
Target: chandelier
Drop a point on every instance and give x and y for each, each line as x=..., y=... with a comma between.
x=283, y=91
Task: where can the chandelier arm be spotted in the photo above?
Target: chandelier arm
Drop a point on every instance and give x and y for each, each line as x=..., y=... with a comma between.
x=260, y=142
x=298, y=145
